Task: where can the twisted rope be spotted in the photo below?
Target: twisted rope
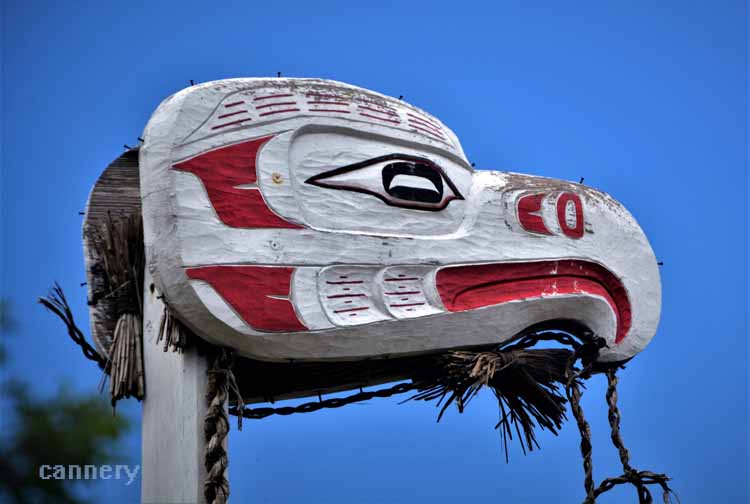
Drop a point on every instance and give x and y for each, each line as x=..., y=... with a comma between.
x=336, y=402
x=573, y=392
x=639, y=479
x=216, y=425
x=57, y=304
x=215, y=430
x=459, y=386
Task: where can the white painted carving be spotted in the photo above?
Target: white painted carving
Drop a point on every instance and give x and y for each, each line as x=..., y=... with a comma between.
x=353, y=186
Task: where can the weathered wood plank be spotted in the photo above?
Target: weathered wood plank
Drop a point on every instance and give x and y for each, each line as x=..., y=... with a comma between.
x=117, y=192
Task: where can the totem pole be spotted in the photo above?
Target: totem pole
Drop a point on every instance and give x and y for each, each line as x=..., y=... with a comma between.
x=329, y=238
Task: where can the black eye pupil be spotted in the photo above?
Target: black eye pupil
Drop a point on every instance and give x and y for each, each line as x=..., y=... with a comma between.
x=413, y=181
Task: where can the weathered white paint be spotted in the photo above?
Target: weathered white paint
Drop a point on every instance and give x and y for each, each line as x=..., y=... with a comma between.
x=348, y=230
x=172, y=444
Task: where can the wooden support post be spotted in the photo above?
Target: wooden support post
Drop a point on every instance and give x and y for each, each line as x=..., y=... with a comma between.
x=172, y=451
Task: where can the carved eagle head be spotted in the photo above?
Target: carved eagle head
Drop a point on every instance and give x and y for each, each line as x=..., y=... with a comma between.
x=311, y=219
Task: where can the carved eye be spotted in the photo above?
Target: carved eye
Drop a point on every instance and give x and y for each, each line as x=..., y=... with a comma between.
x=397, y=179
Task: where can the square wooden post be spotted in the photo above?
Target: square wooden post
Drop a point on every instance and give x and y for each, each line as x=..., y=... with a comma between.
x=172, y=451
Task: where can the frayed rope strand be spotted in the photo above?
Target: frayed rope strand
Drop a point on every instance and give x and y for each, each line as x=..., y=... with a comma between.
x=56, y=303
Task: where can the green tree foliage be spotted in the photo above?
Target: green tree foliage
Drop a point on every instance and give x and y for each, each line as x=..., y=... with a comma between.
x=66, y=429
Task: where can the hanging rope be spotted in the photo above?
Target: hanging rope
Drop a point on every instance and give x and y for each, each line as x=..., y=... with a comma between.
x=456, y=377
x=639, y=479
x=216, y=425
x=573, y=386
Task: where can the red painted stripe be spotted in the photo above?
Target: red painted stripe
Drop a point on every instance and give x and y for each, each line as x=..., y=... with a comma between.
x=405, y=304
x=233, y=114
x=336, y=296
x=326, y=103
x=346, y=282
x=428, y=131
x=224, y=125
x=279, y=111
x=379, y=118
x=258, y=107
x=426, y=126
x=423, y=119
x=259, y=98
x=401, y=293
x=470, y=287
x=330, y=110
x=234, y=104
x=389, y=112
x=352, y=309
x=400, y=279
x=248, y=289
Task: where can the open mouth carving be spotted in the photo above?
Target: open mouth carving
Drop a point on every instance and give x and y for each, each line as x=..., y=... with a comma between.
x=480, y=285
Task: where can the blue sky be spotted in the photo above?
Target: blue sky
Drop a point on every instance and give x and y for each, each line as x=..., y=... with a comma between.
x=646, y=100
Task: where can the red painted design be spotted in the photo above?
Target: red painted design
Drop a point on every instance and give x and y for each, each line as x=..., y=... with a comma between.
x=405, y=304
x=232, y=114
x=393, y=121
x=425, y=130
x=529, y=207
x=279, y=111
x=266, y=105
x=224, y=125
x=384, y=112
x=423, y=119
x=248, y=289
x=470, y=287
x=234, y=104
x=222, y=171
x=360, y=308
x=425, y=125
x=562, y=202
x=401, y=279
x=326, y=103
x=330, y=110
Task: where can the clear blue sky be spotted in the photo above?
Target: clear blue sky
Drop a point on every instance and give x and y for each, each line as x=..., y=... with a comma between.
x=646, y=100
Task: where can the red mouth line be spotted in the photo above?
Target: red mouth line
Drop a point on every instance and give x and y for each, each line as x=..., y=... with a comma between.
x=476, y=286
